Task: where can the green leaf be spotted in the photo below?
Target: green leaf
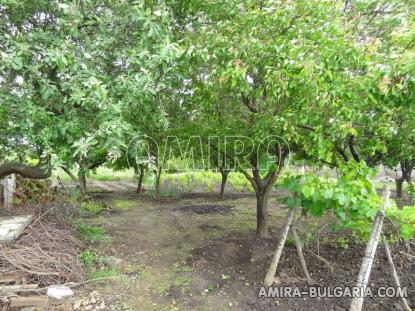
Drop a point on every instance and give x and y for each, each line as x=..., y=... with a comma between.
x=307, y=191
x=328, y=193
x=17, y=63
x=293, y=202
x=317, y=209
x=407, y=231
x=342, y=198
x=225, y=277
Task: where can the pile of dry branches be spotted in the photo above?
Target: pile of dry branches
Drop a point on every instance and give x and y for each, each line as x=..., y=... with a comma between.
x=30, y=191
x=46, y=251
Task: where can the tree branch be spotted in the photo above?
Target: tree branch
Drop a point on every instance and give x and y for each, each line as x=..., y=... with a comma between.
x=69, y=173
x=337, y=148
x=247, y=103
x=352, y=149
x=26, y=171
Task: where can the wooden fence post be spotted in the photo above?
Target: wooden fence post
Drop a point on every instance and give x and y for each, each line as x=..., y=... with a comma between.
x=8, y=185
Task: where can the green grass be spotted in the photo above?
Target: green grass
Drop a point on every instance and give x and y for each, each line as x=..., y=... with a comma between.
x=107, y=174
x=95, y=190
x=88, y=258
x=101, y=174
x=390, y=184
x=164, y=193
x=91, y=233
x=183, y=280
x=124, y=204
x=104, y=273
x=92, y=207
x=239, y=182
x=94, y=265
x=159, y=281
x=206, y=180
x=162, y=289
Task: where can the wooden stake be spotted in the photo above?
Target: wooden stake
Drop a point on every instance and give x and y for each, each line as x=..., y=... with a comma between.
x=8, y=185
x=367, y=262
x=394, y=273
x=301, y=255
x=269, y=278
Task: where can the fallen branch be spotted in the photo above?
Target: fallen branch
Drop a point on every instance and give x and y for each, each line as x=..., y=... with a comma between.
x=20, y=267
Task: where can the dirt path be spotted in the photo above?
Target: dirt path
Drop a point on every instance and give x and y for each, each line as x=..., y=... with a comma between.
x=156, y=240
x=199, y=253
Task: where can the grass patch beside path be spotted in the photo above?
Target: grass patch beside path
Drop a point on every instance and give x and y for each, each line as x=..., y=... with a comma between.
x=124, y=204
x=104, y=273
x=101, y=174
x=95, y=265
x=107, y=174
x=91, y=233
x=92, y=207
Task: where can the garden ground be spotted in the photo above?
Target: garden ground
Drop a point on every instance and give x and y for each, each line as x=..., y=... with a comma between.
x=196, y=252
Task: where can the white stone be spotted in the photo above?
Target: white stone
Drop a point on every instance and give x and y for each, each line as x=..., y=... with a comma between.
x=59, y=292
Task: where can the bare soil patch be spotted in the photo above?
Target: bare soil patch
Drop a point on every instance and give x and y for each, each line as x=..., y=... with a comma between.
x=205, y=209
x=245, y=260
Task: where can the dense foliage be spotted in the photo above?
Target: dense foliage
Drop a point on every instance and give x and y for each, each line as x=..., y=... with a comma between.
x=329, y=83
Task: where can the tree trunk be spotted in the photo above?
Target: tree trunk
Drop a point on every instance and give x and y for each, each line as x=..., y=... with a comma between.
x=261, y=214
x=82, y=181
x=224, y=174
x=263, y=187
x=399, y=187
x=157, y=185
x=69, y=173
x=140, y=179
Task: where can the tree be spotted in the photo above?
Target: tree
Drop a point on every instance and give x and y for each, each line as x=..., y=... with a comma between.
x=372, y=119
x=396, y=91
x=265, y=64
x=69, y=71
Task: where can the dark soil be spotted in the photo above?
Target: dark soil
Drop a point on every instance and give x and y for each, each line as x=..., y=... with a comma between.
x=195, y=252
x=246, y=259
x=206, y=227
x=205, y=209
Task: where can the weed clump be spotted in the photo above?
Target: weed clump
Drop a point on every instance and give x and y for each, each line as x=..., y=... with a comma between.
x=92, y=207
x=91, y=233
